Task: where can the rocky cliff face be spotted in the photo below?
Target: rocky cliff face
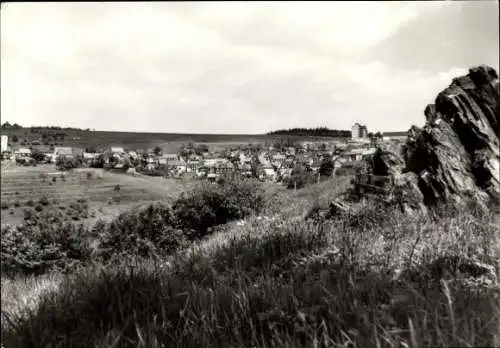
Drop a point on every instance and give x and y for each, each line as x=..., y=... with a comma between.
x=456, y=154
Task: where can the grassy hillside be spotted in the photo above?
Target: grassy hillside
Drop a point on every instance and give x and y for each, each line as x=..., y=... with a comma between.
x=371, y=278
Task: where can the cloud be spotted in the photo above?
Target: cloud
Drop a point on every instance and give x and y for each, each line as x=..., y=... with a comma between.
x=227, y=67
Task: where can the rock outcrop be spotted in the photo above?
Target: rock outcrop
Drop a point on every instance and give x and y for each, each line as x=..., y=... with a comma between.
x=456, y=154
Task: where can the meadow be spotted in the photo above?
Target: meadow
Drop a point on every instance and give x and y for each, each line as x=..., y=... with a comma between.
x=23, y=187
x=266, y=277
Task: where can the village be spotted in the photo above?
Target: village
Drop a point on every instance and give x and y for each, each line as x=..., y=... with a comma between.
x=273, y=162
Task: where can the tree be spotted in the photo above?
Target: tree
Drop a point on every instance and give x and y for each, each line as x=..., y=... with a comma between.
x=157, y=151
x=201, y=148
x=91, y=149
x=326, y=167
x=66, y=163
x=38, y=155
x=14, y=138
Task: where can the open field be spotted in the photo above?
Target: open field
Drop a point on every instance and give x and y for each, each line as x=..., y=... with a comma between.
x=20, y=185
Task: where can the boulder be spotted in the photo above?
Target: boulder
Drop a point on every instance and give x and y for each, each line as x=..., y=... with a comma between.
x=386, y=162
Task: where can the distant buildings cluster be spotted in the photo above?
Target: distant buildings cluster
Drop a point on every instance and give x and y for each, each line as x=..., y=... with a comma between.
x=270, y=163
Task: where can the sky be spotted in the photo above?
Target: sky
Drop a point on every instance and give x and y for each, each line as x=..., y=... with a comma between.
x=237, y=67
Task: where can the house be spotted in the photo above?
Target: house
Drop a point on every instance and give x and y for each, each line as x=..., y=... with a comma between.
x=63, y=151
x=359, y=131
x=278, y=157
x=213, y=161
x=315, y=165
x=5, y=144
x=268, y=172
x=177, y=166
x=193, y=166
x=22, y=153
x=304, y=160
x=386, y=136
x=219, y=167
x=354, y=155
x=133, y=154
x=117, y=150
x=169, y=157
x=90, y=156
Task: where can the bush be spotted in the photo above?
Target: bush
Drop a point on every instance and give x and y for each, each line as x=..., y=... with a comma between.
x=44, y=201
x=38, y=208
x=30, y=203
x=150, y=232
x=38, y=156
x=89, y=175
x=5, y=205
x=116, y=188
x=16, y=204
x=212, y=204
x=67, y=163
x=54, y=179
x=28, y=214
x=300, y=178
x=44, y=246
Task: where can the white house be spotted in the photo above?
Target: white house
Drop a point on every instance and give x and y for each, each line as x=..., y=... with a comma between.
x=5, y=144
x=63, y=151
x=394, y=136
x=22, y=153
x=117, y=150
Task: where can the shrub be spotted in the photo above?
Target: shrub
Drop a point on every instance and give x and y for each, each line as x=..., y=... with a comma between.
x=67, y=163
x=38, y=156
x=150, y=232
x=300, y=178
x=40, y=247
x=89, y=175
x=117, y=188
x=16, y=204
x=5, y=205
x=326, y=168
x=11, y=212
x=28, y=214
x=211, y=204
x=44, y=201
x=39, y=208
x=54, y=179
x=30, y=203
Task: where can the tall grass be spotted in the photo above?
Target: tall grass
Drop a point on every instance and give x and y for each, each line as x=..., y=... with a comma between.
x=400, y=281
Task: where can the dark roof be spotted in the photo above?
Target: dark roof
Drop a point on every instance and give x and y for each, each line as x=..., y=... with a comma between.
x=395, y=134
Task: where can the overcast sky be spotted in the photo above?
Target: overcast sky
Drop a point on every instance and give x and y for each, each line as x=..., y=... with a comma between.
x=237, y=67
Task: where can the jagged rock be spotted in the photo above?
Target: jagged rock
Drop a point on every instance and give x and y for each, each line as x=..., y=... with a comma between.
x=456, y=154
x=457, y=151
x=407, y=194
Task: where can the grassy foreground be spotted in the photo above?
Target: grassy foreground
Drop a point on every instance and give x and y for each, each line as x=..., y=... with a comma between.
x=379, y=279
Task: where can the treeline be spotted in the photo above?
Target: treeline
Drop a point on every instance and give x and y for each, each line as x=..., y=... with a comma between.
x=7, y=125
x=35, y=129
x=313, y=132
